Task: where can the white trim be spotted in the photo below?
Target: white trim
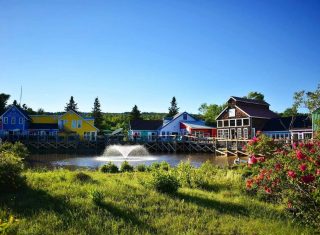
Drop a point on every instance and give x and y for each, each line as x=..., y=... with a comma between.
x=222, y=112
x=78, y=116
x=242, y=110
x=16, y=109
x=5, y=120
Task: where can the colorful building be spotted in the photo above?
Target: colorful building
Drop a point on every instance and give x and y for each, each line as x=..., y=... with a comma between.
x=316, y=120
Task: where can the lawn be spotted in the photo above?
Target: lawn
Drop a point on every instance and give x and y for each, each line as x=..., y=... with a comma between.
x=54, y=202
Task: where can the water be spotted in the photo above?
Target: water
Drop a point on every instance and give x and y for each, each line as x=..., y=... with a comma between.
x=135, y=155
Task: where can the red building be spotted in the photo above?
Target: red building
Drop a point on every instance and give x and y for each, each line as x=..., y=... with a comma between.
x=198, y=128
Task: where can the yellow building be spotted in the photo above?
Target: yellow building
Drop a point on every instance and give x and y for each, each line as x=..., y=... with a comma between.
x=72, y=122
x=69, y=123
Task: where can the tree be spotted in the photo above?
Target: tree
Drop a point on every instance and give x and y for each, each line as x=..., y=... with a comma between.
x=3, y=102
x=210, y=112
x=135, y=113
x=15, y=103
x=289, y=112
x=173, y=109
x=96, y=113
x=40, y=111
x=309, y=100
x=72, y=105
x=255, y=95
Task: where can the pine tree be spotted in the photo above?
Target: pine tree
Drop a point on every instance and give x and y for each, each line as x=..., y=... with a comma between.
x=135, y=113
x=96, y=114
x=173, y=109
x=3, y=102
x=72, y=105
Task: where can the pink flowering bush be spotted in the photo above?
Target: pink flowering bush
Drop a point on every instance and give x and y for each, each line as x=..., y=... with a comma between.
x=289, y=175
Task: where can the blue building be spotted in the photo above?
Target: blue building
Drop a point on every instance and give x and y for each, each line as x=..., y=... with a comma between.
x=14, y=121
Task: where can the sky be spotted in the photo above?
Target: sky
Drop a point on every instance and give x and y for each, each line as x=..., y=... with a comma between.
x=145, y=52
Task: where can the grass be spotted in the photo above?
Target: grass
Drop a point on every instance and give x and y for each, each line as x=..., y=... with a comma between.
x=55, y=202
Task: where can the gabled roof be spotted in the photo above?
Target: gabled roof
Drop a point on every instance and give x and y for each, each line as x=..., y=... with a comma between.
x=23, y=112
x=258, y=112
x=249, y=101
x=75, y=112
x=301, y=122
x=43, y=126
x=145, y=125
x=197, y=125
x=176, y=116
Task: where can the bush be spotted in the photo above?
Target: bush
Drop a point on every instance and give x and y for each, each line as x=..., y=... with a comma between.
x=126, y=167
x=18, y=149
x=185, y=173
x=11, y=167
x=154, y=166
x=292, y=177
x=6, y=224
x=141, y=168
x=165, y=182
x=164, y=166
x=109, y=168
x=82, y=177
x=97, y=197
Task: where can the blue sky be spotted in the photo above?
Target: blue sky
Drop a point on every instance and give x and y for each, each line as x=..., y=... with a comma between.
x=145, y=52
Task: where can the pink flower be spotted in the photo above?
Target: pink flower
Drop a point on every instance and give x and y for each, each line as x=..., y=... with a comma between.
x=308, y=178
x=267, y=190
x=294, y=145
x=277, y=167
x=300, y=155
x=292, y=174
x=303, y=167
x=262, y=159
x=318, y=172
x=252, y=160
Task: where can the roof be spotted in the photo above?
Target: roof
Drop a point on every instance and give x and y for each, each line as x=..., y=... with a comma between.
x=176, y=116
x=250, y=101
x=145, y=125
x=286, y=124
x=257, y=111
x=302, y=122
x=44, y=126
x=23, y=112
x=197, y=125
x=79, y=115
x=277, y=124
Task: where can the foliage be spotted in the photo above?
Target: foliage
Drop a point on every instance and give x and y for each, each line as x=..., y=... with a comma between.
x=307, y=99
x=263, y=146
x=173, y=109
x=3, y=102
x=185, y=174
x=96, y=114
x=135, y=113
x=292, y=177
x=11, y=167
x=97, y=197
x=165, y=182
x=255, y=95
x=141, y=167
x=82, y=177
x=6, y=224
x=18, y=149
x=72, y=105
x=109, y=168
x=126, y=167
x=210, y=112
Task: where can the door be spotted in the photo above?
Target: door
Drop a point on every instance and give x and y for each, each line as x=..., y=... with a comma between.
x=233, y=133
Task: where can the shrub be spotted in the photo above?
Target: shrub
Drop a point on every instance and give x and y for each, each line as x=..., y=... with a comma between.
x=291, y=176
x=11, y=167
x=109, y=168
x=185, y=173
x=165, y=182
x=82, y=177
x=6, y=224
x=18, y=149
x=126, y=167
x=164, y=166
x=154, y=166
x=141, y=168
x=97, y=197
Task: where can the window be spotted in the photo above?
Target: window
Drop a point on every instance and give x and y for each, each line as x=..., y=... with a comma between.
x=5, y=120
x=239, y=122
x=239, y=133
x=232, y=122
x=163, y=133
x=226, y=133
x=20, y=120
x=246, y=122
x=307, y=136
x=74, y=124
x=220, y=133
x=13, y=120
x=226, y=123
x=245, y=133
x=220, y=123
x=232, y=112
x=79, y=125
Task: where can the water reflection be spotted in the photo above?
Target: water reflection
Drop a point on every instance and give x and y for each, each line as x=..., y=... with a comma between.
x=93, y=161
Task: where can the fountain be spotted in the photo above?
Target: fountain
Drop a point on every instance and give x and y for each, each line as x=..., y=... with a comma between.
x=126, y=150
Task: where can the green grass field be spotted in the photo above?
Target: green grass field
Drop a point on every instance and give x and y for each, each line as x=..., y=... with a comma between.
x=55, y=203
